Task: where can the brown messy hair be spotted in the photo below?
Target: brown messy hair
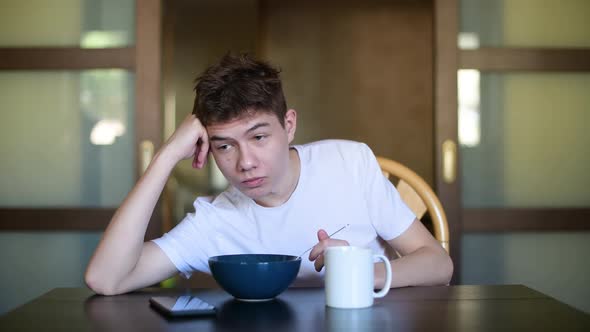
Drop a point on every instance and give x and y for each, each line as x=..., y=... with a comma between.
x=238, y=86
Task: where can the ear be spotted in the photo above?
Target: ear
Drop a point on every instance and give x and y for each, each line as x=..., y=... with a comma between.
x=291, y=123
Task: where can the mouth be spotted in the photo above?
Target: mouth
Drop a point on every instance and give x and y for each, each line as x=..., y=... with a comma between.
x=253, y=182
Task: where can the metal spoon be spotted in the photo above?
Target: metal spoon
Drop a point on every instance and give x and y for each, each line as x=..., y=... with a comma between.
x=329, y=236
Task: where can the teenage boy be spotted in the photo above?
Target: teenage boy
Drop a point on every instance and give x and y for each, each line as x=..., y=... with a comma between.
x=282, y=199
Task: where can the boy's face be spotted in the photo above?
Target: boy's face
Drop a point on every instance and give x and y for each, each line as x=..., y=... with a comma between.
x=253, y=153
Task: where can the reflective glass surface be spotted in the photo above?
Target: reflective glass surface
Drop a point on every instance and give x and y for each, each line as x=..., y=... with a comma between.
x=66, y=138
x=524, y=23
x=84, y=23
x=524, y=139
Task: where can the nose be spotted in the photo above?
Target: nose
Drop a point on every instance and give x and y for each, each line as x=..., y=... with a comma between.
x=247, y=160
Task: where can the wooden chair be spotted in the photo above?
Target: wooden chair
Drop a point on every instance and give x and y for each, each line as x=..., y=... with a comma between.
x=419, y=197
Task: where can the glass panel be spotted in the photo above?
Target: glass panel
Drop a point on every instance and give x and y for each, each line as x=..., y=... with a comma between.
x=66, y=138
x=513, y=258
x=84, y=23
x=533, y=144
x=37, y=262
x=524, y=23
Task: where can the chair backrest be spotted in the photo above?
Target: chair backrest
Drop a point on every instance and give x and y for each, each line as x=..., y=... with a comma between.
x=419, y=197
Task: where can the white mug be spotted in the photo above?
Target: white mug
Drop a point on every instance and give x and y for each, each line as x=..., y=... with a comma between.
x=350, y=277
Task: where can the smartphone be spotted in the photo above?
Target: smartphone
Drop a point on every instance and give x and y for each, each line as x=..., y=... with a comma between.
x=184, y=305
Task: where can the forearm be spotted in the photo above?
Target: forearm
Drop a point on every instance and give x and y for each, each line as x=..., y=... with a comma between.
x=425, y=267
x=122, y=242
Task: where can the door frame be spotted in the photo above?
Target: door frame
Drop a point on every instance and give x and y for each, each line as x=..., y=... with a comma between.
x=448, y=59
x=144, y=59
x=446, y=29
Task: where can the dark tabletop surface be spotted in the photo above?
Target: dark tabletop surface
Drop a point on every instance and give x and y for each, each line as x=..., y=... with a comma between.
x=453, y=308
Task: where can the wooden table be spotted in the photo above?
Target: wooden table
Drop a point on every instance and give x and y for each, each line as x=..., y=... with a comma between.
x=454, y=308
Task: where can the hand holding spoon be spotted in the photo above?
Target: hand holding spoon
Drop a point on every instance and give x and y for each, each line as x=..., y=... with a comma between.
x=329, y=236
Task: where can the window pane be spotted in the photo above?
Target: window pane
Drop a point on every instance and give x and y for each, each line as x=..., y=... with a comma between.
x=532, y=148
x=84, y=23
x=524, y=23
x=66, y=138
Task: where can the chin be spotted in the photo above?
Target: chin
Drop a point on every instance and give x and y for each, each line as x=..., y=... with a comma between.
x=255, y=193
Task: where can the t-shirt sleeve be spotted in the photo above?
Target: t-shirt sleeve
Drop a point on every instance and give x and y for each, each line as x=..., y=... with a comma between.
x=388, y=212
x=184, y=244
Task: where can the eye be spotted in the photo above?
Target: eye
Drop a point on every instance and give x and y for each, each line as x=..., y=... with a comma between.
x=260, y=137
x=223, y=147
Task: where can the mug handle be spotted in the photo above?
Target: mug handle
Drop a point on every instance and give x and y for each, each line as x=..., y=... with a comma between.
x=387, y=285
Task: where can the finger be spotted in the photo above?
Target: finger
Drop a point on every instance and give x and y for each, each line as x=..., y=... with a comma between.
x=203, y=151
x=190, y=118
x=318, y=248
x=322, y=235
x=195, y=163
x=319, y=263
x=316, y=251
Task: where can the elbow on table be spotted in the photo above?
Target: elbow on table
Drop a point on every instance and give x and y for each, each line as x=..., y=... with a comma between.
x=447, y=270
x=97, y=284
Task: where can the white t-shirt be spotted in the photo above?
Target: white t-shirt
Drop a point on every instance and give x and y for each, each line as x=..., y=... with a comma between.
x=340, y=183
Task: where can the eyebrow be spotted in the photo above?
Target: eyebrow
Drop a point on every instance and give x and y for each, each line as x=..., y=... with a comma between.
x=254, y=127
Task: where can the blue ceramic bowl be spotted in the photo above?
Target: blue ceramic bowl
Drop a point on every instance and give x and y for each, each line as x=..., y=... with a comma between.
x=254, y=277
